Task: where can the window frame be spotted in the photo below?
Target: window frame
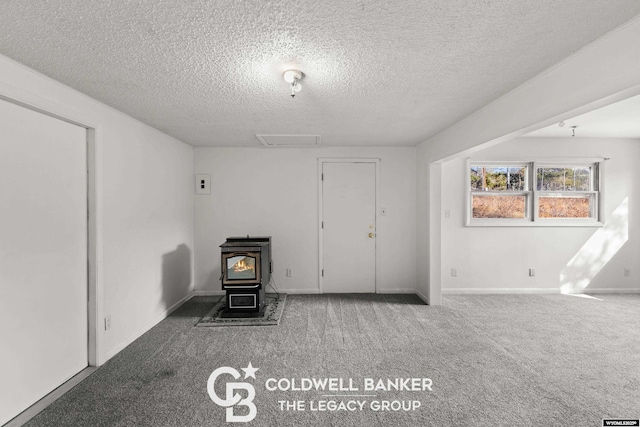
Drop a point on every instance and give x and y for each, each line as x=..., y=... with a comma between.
x=593, y=185
x=533, y=195
x=526, y=193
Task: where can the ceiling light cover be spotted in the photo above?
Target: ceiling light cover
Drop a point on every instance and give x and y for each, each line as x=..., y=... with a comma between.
x=293, y=77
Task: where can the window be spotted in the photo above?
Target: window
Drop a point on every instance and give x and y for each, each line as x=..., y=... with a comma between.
x=566, y=192
x=499, y=191
x=533, y=193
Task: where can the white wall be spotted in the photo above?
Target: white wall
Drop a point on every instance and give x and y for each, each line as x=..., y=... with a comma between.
x=599, y=74
x=274, y=192
x=497, y=259
x=144, y=186
x=148, y=228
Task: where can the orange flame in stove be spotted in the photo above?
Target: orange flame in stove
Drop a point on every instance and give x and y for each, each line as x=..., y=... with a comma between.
x=242, y=266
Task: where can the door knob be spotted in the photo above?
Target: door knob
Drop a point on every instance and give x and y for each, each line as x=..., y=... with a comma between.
x=371, y=235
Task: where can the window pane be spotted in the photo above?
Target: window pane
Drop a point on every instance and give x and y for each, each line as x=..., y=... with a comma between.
x=564, y=179
x=508, y=178
x=499, y=206
x=566, y=206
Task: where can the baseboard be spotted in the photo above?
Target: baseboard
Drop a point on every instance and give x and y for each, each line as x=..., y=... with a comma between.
x=118, y=348
x=33, y=410
x=455, y=291
x=37, y=407
x=486, y=291
x=270, y=290
x=304, y=292
x=317, y=291
x=421, y=296
x=300, y=291
x=396, y=291
x=612, y=291
x=465, y=291
x=208, y=293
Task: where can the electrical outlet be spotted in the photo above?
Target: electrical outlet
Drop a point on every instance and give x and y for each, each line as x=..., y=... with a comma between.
x=454, y=272
x=447, y=213
x=289, y=272
x=627, y=273
x=532, y=272
x=107, y=323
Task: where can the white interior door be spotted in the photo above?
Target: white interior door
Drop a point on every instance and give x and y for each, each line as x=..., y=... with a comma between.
x=43, y=255
x=349, y=227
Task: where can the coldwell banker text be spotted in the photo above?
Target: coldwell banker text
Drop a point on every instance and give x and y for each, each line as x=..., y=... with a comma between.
x=340, y=384
x=342, y=402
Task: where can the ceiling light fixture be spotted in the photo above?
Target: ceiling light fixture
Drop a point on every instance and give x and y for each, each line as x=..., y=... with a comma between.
x=294, y=77
x=561, y=124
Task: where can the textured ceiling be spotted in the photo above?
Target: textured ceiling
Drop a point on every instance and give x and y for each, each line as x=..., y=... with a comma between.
x=380, y=73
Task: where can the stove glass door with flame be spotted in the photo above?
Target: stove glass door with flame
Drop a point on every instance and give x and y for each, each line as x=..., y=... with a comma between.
x=241, y=268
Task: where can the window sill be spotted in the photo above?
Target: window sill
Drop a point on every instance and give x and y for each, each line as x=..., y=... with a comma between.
x=528, y=223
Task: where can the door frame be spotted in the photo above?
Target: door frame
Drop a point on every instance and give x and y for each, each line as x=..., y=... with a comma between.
x=321, y=162
x=94, y=160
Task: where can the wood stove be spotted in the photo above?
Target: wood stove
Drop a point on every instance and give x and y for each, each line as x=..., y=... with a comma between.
x=246, y=270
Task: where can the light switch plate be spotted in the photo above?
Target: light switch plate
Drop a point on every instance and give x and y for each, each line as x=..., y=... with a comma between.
x=203, y=183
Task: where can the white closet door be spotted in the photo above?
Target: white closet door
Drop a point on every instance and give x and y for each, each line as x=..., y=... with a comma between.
x=349, y=227
x=43, y=255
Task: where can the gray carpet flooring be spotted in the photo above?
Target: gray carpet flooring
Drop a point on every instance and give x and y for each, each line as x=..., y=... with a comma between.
x=495, y=360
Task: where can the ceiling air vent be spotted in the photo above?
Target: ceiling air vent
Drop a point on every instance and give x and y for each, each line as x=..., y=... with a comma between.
x=289, y=140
